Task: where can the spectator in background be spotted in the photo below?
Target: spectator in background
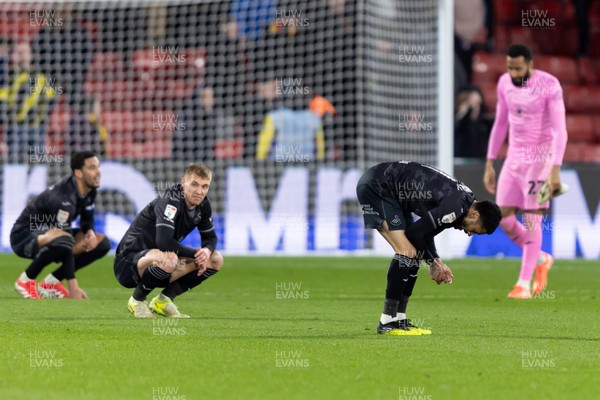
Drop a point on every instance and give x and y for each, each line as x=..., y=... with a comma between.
x=4, y=59
x=489, y=22
x=468, y=22
x=85, y=130
x=326, y=111
x=253, y=17
x=276, y=68
x=294, y=135
x=65, y=53
x=27, y=99
x=471, y=129
x=203, y=124
x=332, y=25
x=582, y=8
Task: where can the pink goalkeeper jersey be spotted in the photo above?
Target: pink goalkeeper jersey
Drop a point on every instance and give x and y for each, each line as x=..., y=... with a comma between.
x=534, y=118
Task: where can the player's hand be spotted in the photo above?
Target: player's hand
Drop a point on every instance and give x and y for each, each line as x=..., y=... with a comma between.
x=439, y=272
x=554, y=179
x=489, y=177
x=201, y=257
x=78, y=294
x=90, y=241
x=75, y=292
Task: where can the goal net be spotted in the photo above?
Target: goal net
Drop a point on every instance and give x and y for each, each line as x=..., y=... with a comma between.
x=286, y=101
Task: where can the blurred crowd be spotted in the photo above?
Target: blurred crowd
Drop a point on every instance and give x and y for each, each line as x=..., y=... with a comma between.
x=258, y=82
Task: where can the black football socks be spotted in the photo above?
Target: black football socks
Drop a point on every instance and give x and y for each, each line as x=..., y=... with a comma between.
x=187, y=282
x=397, y=279
x=153, y=277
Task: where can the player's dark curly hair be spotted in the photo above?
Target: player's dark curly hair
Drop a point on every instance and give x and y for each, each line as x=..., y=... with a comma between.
x=78, y=159
x=517, y=50
x=490, y=215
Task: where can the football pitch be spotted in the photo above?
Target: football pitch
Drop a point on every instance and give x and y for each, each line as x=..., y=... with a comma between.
x=304, y=328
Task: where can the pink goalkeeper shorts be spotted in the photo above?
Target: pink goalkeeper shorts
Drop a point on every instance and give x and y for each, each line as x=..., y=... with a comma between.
x=519, y=183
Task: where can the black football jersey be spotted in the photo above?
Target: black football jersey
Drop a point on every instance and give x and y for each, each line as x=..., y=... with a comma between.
x=57, y=207
x=170, y=211
x=426, y=191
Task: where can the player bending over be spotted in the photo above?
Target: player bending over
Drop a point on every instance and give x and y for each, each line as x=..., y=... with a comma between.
x=531, y=110
x=150, y=254
x=44, y=234
x=388, y=194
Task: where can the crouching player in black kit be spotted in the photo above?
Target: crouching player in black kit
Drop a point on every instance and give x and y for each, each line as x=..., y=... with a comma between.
x=388, y=194
x=150, y=254
x=44, y=234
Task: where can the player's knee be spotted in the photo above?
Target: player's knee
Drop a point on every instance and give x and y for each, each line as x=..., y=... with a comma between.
x=405, y=249
x=216, y=260
x=56, y=233
x=62, y=242
x=165, y=260
x=61, y=246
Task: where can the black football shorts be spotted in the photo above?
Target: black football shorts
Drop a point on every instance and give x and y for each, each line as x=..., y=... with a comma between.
x=126, y=270
x=377, y=205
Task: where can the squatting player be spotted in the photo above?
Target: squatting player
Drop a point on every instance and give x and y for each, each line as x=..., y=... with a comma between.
x=150, y=254
x=531, y=110
x=388, y=193
x=44, y=234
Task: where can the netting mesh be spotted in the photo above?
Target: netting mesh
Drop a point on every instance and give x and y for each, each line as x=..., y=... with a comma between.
x=268, y=85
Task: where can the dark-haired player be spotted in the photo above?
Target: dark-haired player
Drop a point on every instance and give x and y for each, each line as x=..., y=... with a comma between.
x=44, y=234
x=531, y=110
x=150, y=254
x=389, y=193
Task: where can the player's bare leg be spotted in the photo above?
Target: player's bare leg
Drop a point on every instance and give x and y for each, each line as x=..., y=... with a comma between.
x=45, y=238
x=527, y=236
x=539, y=262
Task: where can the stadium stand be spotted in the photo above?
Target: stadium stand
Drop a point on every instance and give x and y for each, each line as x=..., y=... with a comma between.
x=555, y=51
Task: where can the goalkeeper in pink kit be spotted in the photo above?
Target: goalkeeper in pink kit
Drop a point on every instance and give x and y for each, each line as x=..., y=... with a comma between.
x=531, y=110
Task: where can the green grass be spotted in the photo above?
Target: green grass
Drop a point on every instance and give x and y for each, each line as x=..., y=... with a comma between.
x=241, y=338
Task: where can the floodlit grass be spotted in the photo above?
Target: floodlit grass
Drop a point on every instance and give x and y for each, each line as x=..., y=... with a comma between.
x=304, y=328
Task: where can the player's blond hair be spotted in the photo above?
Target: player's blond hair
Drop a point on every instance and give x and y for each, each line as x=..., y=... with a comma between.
x=199, y=169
